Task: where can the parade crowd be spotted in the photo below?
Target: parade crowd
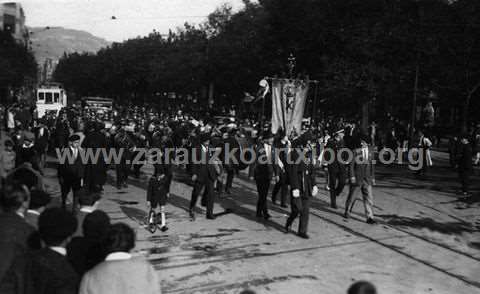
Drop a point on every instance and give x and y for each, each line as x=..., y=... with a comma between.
x=72, y=247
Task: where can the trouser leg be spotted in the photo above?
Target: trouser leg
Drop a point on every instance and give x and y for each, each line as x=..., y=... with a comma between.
x=210, y=198
x=350, y=198
x=197, y=189
x=230, y=176
x=367, y=199
x=304, y=214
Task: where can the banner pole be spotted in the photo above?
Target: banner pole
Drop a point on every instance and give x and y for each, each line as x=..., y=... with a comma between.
x=283, y=108
x=263, y=111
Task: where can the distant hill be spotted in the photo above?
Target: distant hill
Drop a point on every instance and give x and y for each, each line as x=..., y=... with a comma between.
x=52, y=42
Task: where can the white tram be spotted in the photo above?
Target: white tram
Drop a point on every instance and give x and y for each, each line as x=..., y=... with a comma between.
x=50, y=98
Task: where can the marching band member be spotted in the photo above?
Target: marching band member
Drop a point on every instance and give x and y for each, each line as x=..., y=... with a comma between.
x=302, y=180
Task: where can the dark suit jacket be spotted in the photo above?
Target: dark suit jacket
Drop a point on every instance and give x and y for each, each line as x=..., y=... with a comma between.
x=263, y=170
x=301, y=175
x=332, y=149
x=84, y=254
x=74, y=170
x=464, y=157
x=15, y=239
x=41, y=272
x=362, y=170
x=205, y=172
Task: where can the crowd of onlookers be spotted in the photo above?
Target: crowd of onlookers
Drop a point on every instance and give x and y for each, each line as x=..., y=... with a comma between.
x=50, y=250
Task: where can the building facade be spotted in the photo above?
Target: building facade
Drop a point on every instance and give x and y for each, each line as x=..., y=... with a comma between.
x=12, y=19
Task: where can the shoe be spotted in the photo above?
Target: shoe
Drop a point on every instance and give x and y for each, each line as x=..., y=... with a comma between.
x=304, y=235
x=259, y=215
x=346, y=215
x=164, y=229
x=212, y=217
x=119, y=187
x=267, y=216
x=371, y=221
x=125, y=185
x=192, y=215
x=228, y=192
x=334, y=206
x=288, y=228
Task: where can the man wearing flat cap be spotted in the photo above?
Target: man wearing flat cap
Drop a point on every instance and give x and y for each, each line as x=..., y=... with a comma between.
x=71, y=171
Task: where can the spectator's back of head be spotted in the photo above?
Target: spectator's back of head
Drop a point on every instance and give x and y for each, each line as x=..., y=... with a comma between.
x=362, y=287
x=120, y=238
x=39, y=199
x=96, y=225
x=14, y=196
x=56, y=225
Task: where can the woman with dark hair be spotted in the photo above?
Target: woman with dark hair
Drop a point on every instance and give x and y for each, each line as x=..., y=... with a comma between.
x=120, y=273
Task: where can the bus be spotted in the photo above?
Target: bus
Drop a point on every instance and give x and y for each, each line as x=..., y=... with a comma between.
x=98, y=104
x=50, y=98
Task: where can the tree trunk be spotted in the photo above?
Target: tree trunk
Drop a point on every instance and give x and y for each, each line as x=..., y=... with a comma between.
x=466, y=106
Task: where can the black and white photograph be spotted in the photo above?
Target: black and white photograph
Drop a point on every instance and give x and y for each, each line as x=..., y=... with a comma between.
x=240, y=147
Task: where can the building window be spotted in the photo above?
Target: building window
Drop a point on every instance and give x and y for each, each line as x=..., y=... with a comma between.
x=56, y=97
x=41, y=96
x=48, y=98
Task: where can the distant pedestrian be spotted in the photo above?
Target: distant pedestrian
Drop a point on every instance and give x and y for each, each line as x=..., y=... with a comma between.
x=464, y=163
x=361, y=176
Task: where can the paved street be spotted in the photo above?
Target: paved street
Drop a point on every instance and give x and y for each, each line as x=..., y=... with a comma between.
x=427, y=239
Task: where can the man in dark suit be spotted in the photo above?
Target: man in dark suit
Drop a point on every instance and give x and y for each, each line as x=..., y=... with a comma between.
x=15, y=232
x=336, y=166
x=124, y=146
x=361, y=174
x=301, y=172
x=264, y=171
x=464, y=163
x=203, y=177
x=96, y=172
x=47, y=270
x=71, y=171
x=281, y=185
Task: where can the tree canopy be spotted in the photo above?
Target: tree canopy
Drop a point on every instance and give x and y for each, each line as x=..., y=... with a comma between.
x=17, y=65
x=360, y=51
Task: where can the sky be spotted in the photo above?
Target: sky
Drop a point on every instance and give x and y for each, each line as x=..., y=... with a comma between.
x=133, y=17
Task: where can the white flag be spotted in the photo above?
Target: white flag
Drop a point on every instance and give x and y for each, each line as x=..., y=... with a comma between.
x=288, y=104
